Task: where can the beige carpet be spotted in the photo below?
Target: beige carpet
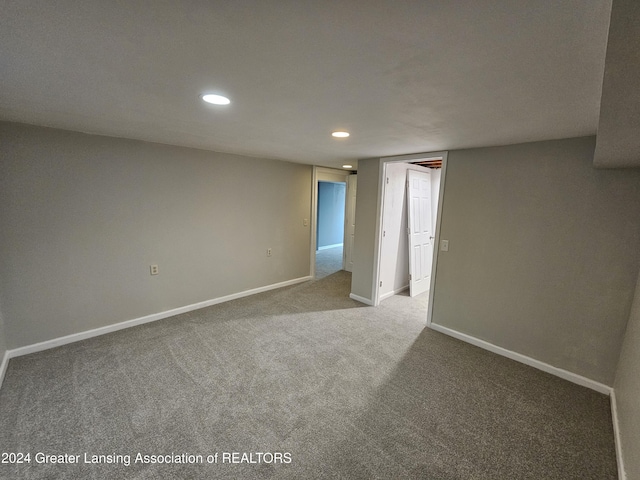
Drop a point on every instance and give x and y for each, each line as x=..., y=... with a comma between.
x=328, y=261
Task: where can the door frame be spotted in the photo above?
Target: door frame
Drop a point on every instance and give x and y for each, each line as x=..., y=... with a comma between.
x=350, y=201
x=382, y=174
x=323, y=174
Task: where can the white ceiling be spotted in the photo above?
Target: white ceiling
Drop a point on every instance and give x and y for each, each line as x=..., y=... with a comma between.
x=401, y=76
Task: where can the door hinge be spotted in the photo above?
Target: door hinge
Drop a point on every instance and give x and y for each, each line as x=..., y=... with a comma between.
x=384, y=233
x=409, y=277
x=387, y=180
x=380, y=282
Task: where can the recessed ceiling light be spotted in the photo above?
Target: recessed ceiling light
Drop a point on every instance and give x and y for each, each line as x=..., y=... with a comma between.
x=216, y=99
x=347, y=166
x=340, y=134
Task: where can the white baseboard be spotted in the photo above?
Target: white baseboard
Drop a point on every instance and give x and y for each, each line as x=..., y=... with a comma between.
x=3, y=366
x=518, y=357
x=360, y=299
x=327, y=247
x=76, y=337
x=622, y=475
x=395, y=292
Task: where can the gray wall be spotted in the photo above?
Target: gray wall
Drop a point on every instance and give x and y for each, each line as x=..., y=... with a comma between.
x=84, y=216
x=365, y=231
x=618, y=142
x=627, y=388
x=331, y=202
x=3, y=340
x=543, y=255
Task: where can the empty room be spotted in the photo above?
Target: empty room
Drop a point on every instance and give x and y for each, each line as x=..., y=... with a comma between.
x=316, y=239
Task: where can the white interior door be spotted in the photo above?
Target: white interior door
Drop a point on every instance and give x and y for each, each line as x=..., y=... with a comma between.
x=394, y=251
x=350, y=223
x=420, y=233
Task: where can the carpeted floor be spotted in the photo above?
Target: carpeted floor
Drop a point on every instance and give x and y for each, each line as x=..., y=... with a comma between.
x=340, y=390
x=328, y=261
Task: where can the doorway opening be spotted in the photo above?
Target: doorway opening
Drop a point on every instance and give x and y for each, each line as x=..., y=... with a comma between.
x=332, y=197
x=333, y=224
x=409, y=226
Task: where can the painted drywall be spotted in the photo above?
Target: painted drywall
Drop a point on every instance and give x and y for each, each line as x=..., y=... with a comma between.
x=618, y=142
x=627, y=389
x=543, y=253
x=365, y=242
x=3, y=349
x=84, y=216
x=3, y=340
x=331, y=208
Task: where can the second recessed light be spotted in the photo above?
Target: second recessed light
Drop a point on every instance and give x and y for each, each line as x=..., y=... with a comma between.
x=216, y=99
x=340, y=134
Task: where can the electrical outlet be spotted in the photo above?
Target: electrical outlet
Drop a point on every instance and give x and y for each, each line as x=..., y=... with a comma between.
x=305, y=222
x=154, y=269
x=444, y=245
x=268, y=252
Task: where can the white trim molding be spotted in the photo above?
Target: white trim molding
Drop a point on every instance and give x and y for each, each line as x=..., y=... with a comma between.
x=360, y=299
x=436, y=240
x=622, y=475
x=76, y=337
x=394, y=292
x=532, y=362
